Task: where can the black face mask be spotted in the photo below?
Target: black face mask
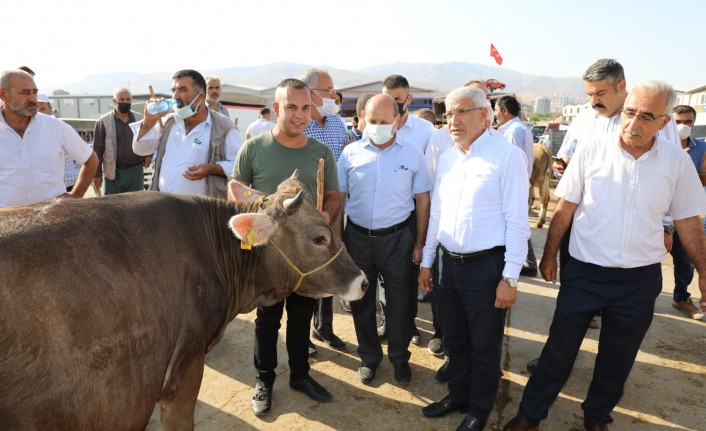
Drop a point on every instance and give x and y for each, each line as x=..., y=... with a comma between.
x=124, y=107
x=402, y=108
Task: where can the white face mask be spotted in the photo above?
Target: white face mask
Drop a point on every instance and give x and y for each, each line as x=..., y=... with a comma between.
x=379, y=133
x=187, y=111
x=684, y=131
x=328, y=107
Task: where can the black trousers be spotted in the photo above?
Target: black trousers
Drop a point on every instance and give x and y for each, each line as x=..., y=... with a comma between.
x=627, y=298
x=473, y=330
x=323, y=316
x=267, y=324
x=391, y=257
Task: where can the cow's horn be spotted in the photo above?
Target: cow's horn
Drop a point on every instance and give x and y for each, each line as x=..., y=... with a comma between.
x=295, y=175
x=292, y=204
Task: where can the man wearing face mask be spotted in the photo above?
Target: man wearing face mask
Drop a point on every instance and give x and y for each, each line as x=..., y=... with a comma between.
x=112, y=142
x=685, y=116
x=329, y=128
x=378, y=178
x=195, y=148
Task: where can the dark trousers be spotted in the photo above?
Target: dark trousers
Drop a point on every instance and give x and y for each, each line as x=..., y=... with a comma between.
x=683, y=270
x=391, y=257
x=473, y=330
x=627, y=298
x=323, y=316
x=127, y=179
x=267, y=324
x=531, y=258
x=435, y=278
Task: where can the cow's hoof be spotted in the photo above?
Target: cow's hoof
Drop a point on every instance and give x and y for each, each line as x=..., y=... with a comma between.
x=539, y=225
x=262, y=399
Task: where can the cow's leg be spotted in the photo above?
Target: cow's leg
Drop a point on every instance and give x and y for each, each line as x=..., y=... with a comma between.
x=544, y=196
x=178, y=404
x=531, y=195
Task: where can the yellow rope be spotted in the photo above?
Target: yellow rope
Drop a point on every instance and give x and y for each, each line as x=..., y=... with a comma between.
x=304, y=274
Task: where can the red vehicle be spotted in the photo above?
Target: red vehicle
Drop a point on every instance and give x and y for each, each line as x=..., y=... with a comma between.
x=494, y=84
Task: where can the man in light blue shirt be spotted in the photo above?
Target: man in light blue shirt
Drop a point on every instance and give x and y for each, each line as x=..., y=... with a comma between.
x=380, y=179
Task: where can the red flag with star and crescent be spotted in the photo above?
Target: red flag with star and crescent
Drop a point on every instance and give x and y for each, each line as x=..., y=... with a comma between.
x=495, y=54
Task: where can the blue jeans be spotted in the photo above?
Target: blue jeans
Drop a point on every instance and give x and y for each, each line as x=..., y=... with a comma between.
x=683, y=270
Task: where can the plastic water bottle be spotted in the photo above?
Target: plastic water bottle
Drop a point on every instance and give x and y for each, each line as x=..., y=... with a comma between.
x=161, y=106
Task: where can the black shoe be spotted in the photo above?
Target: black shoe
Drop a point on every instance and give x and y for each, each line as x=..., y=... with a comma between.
x=436, y=345
x=532, y=365
x=312, y=349
x=442, y=374
x=528, y=271
x=332, y=340
x=366, y=373
x=471, y=423
x=382, y=330
x=416, y=337
x=261, y=399
x=403, y=374
x=346, y=306
x=443, y=407
x=312, y=389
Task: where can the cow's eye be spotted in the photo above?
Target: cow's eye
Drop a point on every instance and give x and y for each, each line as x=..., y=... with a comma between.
x=263, y=206
x=320, y=240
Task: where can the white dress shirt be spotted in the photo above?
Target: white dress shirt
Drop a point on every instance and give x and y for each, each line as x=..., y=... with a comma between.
x=621, y=201
x=516, y=133
x=260, y=126
x=381, y=184
x=184, y=150
x=32, y=166
x=415, y=131
x=480, y=202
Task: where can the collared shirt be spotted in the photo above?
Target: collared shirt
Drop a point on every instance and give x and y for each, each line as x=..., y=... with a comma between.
x=696, y=149
x=480, y=201
x=184, y=150
x=32, y=166
x=71, y=170
x=621, y=201
x=381, y=184
x=415, y=131
x=260, y=126
x=516, y=133
x=333, y=133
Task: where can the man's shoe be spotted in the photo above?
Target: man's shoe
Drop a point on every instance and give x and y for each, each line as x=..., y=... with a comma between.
x=312, y=389
x=382, y=329
x=442, y=374
x=436, y=346
x=261, y=399
x=689, y=309
x=596, y=427
x=403, y=374
x=312, y=349
x=424, y=297
x=366, y=373
x=346, y=306
x=528, y=271
x=517, y=424
x=443, y=407
x=416, y=337
x=471, y=423
x=332, y=340
x=532, y=365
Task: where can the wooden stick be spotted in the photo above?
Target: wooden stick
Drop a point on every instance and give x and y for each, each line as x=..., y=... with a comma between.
x=320, y=186
x=152, y=95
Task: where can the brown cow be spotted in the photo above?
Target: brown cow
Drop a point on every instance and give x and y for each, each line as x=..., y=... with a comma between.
x=109, y=305
x=541, y=171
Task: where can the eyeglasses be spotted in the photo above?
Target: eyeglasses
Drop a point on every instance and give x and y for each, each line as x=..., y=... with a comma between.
x=324, y=90
x=645, y=118
x=459, y=112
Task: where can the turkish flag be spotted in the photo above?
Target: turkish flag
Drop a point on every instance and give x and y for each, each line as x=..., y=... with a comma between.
x=495, y=54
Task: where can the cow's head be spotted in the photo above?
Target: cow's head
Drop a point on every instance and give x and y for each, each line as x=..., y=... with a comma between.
x=311, y=259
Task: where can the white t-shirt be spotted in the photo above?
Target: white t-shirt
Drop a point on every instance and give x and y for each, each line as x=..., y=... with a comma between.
x=260, y=126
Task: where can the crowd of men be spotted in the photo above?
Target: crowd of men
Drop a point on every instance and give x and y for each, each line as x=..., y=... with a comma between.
x=443, y=209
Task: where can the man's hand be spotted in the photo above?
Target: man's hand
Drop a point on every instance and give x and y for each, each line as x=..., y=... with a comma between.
x=417, y=255
x=505, y=295
x=98, y=182
x=548, y=268
x=197, y=172
x=424, y=279
x=668, y=241
x=147, y=161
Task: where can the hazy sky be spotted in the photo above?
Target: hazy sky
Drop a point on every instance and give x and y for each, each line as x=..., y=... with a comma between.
x=66, y=41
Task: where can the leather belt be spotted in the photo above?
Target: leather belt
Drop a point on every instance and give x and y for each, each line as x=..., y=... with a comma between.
x=460, y=258
x=374, y=233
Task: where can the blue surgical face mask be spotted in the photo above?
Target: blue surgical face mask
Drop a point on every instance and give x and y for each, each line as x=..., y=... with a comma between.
x=187, y=111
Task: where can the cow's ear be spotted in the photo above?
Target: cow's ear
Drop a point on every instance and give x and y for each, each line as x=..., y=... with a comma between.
x=253, y=229
x=242, y=193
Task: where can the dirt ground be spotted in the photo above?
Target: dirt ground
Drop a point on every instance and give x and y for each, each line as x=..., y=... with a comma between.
x=666, y=389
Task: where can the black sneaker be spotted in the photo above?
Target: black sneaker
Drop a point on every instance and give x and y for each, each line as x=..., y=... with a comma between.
x=312, y=349
x=436, y=345
x=312, y=389
x=532, y=365
x=261, y=399
x=366, y=373
x=403, y=373
x=332, y=340
x=416, y=337
x=442, y=374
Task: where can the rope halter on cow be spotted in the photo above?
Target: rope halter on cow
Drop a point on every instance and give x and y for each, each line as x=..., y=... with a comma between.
x=304, y=274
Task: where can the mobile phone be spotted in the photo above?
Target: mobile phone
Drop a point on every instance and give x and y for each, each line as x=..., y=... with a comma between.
x=559, y=160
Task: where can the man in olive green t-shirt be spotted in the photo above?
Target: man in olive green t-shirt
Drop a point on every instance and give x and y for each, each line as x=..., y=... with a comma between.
x=263, y=163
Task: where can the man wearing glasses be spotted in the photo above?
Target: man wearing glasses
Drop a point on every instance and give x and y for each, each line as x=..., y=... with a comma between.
x=479, y=219
x=616, y=190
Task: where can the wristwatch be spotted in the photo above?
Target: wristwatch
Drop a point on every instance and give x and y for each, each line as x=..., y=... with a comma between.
x=512, y=282
x=669, y=229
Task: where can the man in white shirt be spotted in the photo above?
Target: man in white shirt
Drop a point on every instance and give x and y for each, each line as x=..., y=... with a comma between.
x=479, y=218
x=261, y=125
x=33, y=146
x=195, y=148
x=616, y=191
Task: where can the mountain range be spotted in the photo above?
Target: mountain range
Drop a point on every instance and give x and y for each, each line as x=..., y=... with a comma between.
x=432, y=76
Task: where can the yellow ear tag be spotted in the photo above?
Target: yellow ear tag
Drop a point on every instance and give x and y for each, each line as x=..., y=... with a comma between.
x=245, y=246
x=251, y=238
x=248, y=193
